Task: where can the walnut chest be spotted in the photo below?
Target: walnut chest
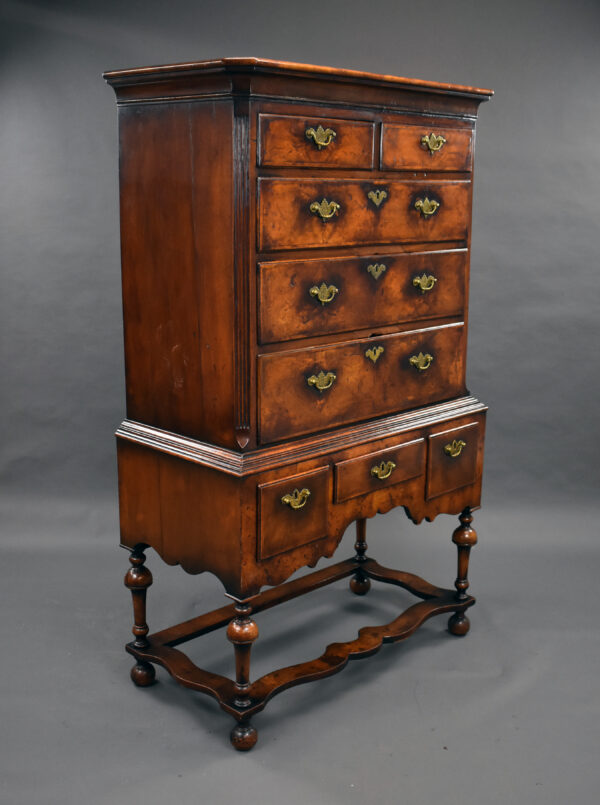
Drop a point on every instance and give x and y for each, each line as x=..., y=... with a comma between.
x=295, y=262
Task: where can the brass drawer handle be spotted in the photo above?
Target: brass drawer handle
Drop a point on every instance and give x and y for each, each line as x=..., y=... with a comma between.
x=383, y=470
x=326, y=209
x=377, y=196
x=421, y=362
x=434, y=142
x=374, y=353
x=324, y=293
x=376, y=270
x=425, y=282
x=322, y=381
x=427, y=207
x=321, y=137
x=455, y=448
x=296, y=499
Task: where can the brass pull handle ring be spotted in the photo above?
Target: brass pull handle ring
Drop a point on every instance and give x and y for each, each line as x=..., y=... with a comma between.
x=427, y=207
x=324, y=293
x=321, y=137
x=455, y=448
x=421, y=362
x=383, y=470
x=325, y=209
x=425, y=282
x=322, y=381
x=434, y=142
x=296, y=499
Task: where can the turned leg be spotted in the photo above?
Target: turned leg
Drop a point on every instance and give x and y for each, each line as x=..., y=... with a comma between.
x=360, y=584
x=464, y=537
x=138, y=578
x=242, y=631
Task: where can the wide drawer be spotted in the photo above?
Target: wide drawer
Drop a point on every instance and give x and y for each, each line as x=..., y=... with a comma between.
x=426, y=148
x=300, y=298
x=312, y=213
x=313, y=389
x=287, y=140
x=455, y=459
x=293, y=511
x=378, y=470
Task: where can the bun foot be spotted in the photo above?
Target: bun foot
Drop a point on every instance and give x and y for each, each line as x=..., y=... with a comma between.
x=459, y=624
x=360, y=585
x=143, y=674
x=243, y=737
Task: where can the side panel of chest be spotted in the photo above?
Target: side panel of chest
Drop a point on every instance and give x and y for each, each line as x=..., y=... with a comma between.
x=177, y=226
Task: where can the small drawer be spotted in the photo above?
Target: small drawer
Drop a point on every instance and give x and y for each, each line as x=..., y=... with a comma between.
x=454, y=459
x=313, y=213
x=426, y=148
x=292, y=511
x=300, y=298
x=285, y=140
x=308, y=390
x=359, y=476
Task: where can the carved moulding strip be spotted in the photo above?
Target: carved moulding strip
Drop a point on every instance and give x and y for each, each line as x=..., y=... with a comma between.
x=241, y=152
x=241, y=464
x=160, y=649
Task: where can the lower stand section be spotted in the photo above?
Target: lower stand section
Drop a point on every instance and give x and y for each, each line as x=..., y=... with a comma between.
x=242, y=698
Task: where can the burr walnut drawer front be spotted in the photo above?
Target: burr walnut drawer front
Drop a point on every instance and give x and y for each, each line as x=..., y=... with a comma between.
x=426, y=148
x=293, y=511
x=312, y=389
x=286, y=140
x=300, y=298
x=359, y=476
x=455, y=459
x=312, y=213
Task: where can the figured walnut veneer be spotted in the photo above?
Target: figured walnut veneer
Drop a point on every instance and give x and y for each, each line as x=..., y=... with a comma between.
x=295, y=247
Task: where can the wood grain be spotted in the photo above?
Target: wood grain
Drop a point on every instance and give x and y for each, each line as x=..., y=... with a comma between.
x=288, y=310
x=446, y=473
x=354, y=476
x=289, y=406
x=286, y=222
x=401, y=148
x=283, y=142
x=283, y=528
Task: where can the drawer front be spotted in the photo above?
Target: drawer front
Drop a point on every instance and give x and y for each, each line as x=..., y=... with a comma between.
x=293, y=511
x=300, y=298
x=455, y=459
x=312, y=213
x=285, y=140
x=359, y=476
x=426, y=148
x=317, y=388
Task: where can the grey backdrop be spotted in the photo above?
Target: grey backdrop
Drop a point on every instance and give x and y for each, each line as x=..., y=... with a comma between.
x=533, y=357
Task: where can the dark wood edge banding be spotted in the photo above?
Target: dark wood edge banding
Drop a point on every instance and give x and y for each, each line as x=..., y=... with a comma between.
x=240, y=464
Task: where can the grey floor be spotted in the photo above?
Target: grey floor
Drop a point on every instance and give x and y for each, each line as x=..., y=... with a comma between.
x=510, y=714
